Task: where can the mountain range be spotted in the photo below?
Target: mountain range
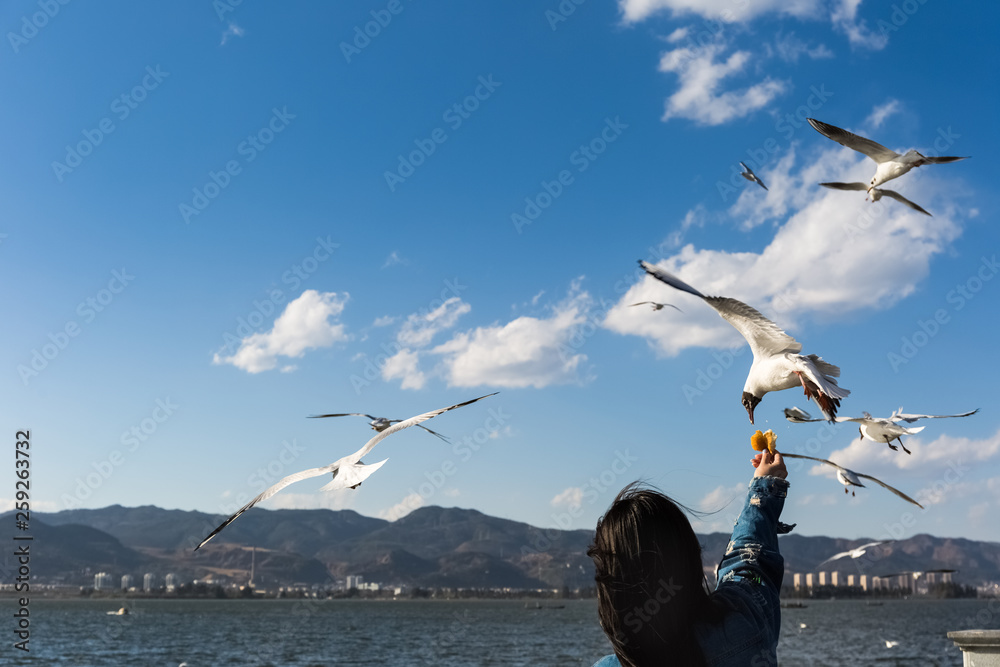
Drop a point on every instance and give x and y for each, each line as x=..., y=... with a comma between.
x=431, y=547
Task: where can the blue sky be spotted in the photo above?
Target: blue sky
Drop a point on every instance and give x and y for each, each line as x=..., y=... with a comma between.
x=222, y=218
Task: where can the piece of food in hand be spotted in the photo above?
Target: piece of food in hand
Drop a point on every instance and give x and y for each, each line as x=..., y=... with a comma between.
x=761, y=441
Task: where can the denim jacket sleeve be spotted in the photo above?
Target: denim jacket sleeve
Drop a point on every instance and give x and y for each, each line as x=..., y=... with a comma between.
x=752, y=552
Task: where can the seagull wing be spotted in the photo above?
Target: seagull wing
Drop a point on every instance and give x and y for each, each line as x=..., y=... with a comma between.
x=875, y=151
x=896, y=491
x=291, y=479
x=909, y=419
x=358, y=473
x=445, y=438
x=764, y=336
x=406, y=423
x=900, y=198
x=846, y=186
x=838, y=556
x=799, y=416
x=344, y=414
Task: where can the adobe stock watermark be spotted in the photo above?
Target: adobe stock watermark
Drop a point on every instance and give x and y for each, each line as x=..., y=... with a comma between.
x=248, y=149
x=952, y=475
x=786, y=125
x=87, y=311
x=223, y=7
x=944, y=140
x=121, y=107
x=463, y=450
x=898, y=17
x=260, y=479
x=373, y=367
x=562, y=12
x=454, y=116
x=581, y=158
x=32, y=23
x=263, y=309
x=958, y=297
x=708, y=375
x=131, y=440
x=608, y=479
x=363, y=35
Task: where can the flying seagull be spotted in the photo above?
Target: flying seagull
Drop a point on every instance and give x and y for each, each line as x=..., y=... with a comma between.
x=875, y=193
x=748, y=174
x=348, y=471
x=657, y=306
x=877, y=429
x=916, y=574
x=777, y=363
x=378, y=424
x=890, y=163
x=856, y=552
x=849, y=477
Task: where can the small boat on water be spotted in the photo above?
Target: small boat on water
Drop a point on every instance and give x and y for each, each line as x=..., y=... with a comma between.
x=122, y=611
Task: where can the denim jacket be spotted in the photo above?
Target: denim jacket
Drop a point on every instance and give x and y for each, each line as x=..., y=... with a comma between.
x=749, y=585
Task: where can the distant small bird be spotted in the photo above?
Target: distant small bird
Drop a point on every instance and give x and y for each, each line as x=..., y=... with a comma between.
x=777, y=363
x=890, y=644
x=348, y=472
x=849, y=478
x=875, y=193
x=378, y=424
x=877, y=429
x=890, y=163
x=657, y=306
x=856, y=552
x=748, y=174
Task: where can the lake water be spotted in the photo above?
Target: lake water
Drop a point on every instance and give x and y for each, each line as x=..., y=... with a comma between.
x=289, y=633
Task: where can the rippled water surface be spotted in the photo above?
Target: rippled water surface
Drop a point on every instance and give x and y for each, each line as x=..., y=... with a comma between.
x=291, y=633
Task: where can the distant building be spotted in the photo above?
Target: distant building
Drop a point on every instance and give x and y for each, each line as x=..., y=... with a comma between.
x=809, y=580
x=850, y=580
x=822, y=578
x=370, y=587
x=946, y=577
x=103, y=581
x=148, y=581
x=128, y=581
x=354, y=581
x=797, y=580
x=835, y=578
x=863, y=582
x=171, y=582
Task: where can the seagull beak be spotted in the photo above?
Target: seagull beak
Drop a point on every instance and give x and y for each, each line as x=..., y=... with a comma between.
x=750, y=402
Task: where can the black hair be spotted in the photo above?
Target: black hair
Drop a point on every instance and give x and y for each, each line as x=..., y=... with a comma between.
x=651, y=587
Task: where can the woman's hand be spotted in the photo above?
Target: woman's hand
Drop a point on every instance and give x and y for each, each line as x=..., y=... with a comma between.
x=767, y=463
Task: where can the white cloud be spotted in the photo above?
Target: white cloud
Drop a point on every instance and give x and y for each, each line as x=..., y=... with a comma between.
x=383, y=321
x=727, y=10
x=882, y=112
x=402, y=508
x=336, y=500
x=232, y=30
x=405, y=365
x=844, y=15
x=699, y=97
x=420, y=328
x=527, y=351
x=723, y=505
x=929, y=458
x=571, y=497
x=790, y=48
x=393, y=259
x=304, y=325
x=827, y=257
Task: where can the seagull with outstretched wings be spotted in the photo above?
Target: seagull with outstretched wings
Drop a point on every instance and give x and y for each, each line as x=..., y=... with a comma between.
x=348, y=472
x=777, y=363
